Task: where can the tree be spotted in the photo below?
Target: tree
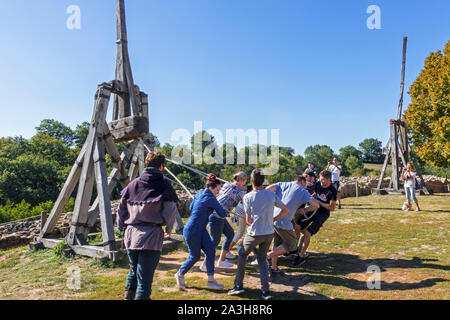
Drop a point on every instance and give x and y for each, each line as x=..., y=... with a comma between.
x=348, y=151
x=427, y=116
x=371, y=150
x=320, y=155
x=29, y=177
x=353, y=165
x=52, y=148
x=11, y=148
x=57, y=130
x=81, y=133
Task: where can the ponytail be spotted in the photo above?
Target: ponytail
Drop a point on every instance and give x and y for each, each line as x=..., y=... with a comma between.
x=212, y=181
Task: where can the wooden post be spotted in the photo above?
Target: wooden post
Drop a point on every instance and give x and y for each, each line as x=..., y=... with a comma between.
x=394, y=157
x=356, y=188
x=103, y=195
x=383, y=170
x=402, y=83
x=64, y=195
x=86, y=182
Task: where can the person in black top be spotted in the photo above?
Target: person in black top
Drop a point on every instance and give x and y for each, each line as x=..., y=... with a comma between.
x=326, y=194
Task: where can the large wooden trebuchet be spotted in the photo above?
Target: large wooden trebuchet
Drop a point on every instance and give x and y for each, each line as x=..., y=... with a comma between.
x=130, y=123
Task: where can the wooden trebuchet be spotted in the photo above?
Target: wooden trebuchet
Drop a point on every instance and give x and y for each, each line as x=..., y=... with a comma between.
x=398, y=149
x=130, y=122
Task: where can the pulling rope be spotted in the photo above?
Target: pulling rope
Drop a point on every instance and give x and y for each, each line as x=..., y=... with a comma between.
x=184, y=166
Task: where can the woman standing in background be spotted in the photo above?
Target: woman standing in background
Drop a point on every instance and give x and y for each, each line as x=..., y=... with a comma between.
x=409, y=176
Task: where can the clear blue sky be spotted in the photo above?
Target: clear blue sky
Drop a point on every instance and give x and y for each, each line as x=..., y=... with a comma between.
x=309, y=68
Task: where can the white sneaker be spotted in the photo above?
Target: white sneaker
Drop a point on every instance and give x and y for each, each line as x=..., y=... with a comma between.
x=229, y=255
x=214, y=285
x=180, y=280
x=254, y=262
x=203, y=267
x=224, y=264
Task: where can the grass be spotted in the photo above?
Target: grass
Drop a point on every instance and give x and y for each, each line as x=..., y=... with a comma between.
x=410, y=249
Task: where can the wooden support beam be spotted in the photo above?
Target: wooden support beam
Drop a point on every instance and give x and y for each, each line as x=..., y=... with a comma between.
x=394, y=156
x=402, y=83
x=114, y=177
x=106, y=220
x=64, y=195
x=386, y=161
x=86, y=182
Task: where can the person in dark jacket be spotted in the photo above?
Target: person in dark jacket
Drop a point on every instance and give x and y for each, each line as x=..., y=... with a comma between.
x=197, y=237
x=147, y=204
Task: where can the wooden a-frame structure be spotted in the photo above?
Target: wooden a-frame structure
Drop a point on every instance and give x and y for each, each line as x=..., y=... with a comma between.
x=397, y=148
x=130, y=123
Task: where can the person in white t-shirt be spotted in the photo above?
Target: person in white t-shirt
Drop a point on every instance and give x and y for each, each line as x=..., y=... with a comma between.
x=409, y=176
x=335, y=168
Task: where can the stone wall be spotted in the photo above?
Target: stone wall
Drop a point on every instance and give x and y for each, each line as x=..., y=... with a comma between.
x=366, y=184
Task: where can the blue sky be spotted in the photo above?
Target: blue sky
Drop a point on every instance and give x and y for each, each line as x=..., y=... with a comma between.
x=309, y=68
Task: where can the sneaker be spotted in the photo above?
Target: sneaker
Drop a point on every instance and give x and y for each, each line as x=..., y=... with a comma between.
x=254, y=262
x=266, y=295
x=236, y=290
x=276, y=272
x=287, y=254
x=229, y=255
x=224, y=264
x=417, y=210
x=339, y=206
x=203, y=267
x=298, y=261
x=214, y=285
x=180, y=280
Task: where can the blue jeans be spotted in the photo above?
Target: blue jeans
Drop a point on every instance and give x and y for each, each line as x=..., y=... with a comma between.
x=216, y=228
x=198, y=240
x=143, y=264
x=410, y=191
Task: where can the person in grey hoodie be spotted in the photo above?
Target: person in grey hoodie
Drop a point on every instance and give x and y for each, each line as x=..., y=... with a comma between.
x=147, y=204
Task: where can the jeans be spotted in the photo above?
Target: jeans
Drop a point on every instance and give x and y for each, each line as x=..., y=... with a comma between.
x=242, y=225
x=249, y=244
x=198, y=240
x=143, y=264
x=216, y=228
x=410, y=191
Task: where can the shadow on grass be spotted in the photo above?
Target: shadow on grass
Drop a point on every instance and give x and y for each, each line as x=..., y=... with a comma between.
x=330, y=269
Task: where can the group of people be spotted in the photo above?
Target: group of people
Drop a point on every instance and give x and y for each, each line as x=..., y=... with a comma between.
x=280, y=213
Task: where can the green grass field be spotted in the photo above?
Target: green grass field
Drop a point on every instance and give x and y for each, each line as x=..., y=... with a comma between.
x=411, y=249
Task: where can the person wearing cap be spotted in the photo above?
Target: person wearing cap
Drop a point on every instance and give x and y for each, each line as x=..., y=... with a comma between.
x=310, y=177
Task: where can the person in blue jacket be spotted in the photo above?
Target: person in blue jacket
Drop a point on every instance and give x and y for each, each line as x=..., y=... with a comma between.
x=195, y=234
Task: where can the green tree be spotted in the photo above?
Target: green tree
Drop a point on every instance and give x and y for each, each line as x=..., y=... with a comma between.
x=320, y=155
x=81, y=133
x=427, y=116
x=348, y=151
x=353, y=165
x=31, y=178
x=11, y=148
x=57, y=130
x=52, y=148
x=371, y=151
